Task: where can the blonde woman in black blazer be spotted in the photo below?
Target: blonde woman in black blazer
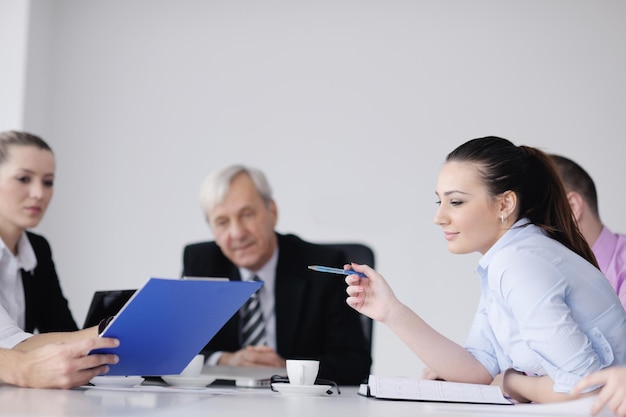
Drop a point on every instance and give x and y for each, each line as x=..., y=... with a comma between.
x=30, y=289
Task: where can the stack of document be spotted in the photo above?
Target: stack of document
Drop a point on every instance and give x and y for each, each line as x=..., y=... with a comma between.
x=413, y=389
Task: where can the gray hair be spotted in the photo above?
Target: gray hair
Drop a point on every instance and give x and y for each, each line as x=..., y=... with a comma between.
x=216, y=186
x=15, y=138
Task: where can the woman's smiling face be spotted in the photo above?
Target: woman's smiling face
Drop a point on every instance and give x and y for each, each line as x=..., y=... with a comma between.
x=467, y=213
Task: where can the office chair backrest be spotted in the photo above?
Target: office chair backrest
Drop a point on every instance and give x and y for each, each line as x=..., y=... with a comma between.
x=361, y=254
x=355, y=252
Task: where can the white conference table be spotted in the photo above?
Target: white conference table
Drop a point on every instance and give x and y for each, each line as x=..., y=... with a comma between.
x=257, y=402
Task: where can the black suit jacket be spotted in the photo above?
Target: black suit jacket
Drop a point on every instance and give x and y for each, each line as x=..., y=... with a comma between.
x=46, y=307
x=312, y=318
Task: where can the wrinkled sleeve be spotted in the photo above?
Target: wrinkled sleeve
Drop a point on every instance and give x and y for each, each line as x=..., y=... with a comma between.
x=480, y=341
x=536, y=293
x=10, y=333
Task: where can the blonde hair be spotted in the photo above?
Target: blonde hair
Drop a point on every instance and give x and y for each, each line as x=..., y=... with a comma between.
x=15, y=138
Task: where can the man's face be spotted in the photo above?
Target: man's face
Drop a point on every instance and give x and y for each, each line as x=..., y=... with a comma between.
x=243, y=225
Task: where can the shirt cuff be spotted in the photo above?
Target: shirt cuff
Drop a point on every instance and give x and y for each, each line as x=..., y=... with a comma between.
x=11, y=341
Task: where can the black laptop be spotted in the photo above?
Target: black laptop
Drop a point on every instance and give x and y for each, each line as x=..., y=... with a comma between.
x=105, y=304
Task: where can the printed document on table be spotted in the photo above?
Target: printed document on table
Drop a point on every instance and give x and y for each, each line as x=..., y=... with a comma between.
x=413, y=389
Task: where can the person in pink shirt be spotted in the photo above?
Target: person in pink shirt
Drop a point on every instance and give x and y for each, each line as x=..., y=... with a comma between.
x=608, y=247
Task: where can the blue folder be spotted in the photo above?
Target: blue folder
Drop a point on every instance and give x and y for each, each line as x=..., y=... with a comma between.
x=168, y=321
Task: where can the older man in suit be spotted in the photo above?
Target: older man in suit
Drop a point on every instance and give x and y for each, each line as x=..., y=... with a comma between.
x=303, y=313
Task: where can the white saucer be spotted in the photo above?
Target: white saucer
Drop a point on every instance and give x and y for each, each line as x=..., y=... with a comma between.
x=199, y=381
x=116, y=381
x=286, y=388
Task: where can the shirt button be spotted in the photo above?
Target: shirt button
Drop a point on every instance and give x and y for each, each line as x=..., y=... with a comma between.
x=597, y=334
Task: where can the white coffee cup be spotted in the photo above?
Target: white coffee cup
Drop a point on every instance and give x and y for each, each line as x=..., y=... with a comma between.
x=194, y=368
x=302, y=372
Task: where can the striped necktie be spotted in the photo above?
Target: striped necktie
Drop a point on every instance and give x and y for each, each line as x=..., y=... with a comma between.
x=253, y=323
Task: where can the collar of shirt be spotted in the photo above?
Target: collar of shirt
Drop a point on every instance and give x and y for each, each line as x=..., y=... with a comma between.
x=604, y=247
x=267, y=273
x=25, y=258
x=517, y=228
x=12, y=296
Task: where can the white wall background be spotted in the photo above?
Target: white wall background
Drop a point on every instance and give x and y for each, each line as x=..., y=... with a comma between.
x=13, y=39
x=349, y=106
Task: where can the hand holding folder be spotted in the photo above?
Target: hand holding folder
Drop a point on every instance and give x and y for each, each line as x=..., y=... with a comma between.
x=168, y=321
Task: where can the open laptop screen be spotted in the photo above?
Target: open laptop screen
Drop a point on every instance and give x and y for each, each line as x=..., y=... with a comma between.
x=105, y=304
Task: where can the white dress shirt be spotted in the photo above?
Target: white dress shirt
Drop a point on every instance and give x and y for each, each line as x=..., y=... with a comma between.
x=10, y=333
x=267, y=274
x=12, y=294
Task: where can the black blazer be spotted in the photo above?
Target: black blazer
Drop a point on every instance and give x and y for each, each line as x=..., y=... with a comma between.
x=46, y=307
x=312, y=318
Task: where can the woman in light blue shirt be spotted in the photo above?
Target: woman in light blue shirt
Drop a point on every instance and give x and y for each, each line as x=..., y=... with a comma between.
x=547, y=316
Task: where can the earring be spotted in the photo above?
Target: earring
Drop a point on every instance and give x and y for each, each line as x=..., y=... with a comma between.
x=502, y=218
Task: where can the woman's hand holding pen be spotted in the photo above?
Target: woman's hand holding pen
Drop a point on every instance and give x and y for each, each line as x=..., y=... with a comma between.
x=371, y=296
x=374, y=297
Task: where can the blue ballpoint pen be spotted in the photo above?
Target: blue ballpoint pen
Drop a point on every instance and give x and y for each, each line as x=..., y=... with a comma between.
x=319, y=268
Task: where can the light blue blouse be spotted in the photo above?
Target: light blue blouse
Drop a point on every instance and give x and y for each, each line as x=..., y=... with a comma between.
x=544, y=310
